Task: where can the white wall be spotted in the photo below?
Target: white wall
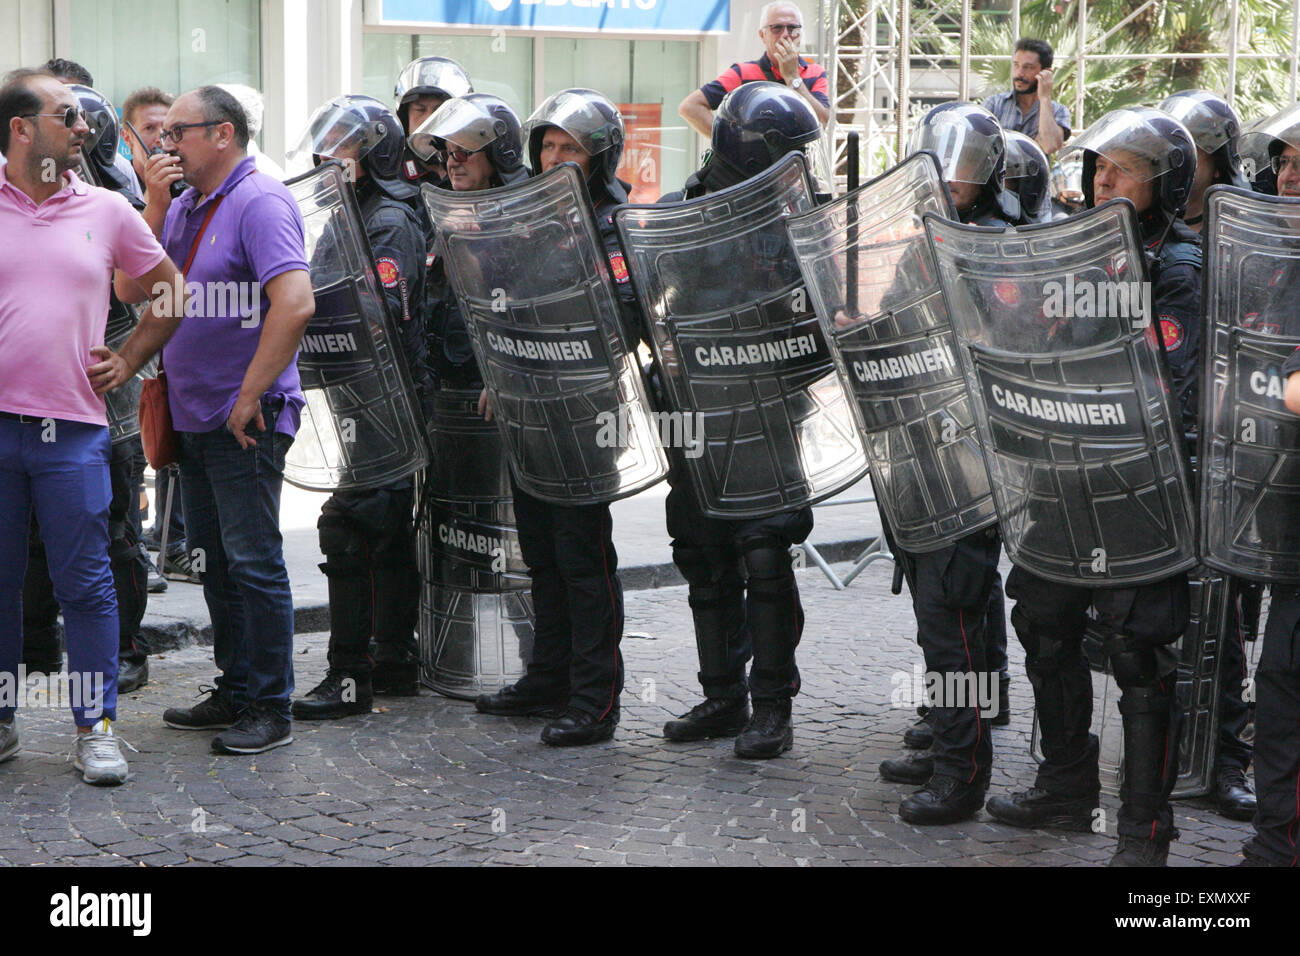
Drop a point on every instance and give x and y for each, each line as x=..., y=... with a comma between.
x=26, y=33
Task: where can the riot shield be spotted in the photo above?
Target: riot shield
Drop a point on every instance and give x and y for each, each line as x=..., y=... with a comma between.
x=361, y=426
x=123, y=404
x=741, y=353
x=1070, y=392
x=534, y=285
x=476, y=612
x=1250, y=442
x=868, y=267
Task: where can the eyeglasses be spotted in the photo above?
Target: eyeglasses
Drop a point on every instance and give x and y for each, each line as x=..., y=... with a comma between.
x=177, y=132
x=1290, y=164
x=460, y=155
x=794, y=29
x=69, y=116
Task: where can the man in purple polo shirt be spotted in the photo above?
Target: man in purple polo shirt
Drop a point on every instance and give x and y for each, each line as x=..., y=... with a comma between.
x=233, y=380
x=63, y=239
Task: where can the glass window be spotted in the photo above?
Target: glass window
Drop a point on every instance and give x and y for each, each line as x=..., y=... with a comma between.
x=175, y=46
x=647, y=79
x=502, y=65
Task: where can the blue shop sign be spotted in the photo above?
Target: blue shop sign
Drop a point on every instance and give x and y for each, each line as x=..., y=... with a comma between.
x=612, y=16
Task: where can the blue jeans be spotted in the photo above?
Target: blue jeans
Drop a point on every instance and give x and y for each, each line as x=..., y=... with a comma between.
x=61, y=469
x=232, y=524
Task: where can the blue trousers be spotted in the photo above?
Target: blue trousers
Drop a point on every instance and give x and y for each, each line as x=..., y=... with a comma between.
x=232, y=519
x=60, y=468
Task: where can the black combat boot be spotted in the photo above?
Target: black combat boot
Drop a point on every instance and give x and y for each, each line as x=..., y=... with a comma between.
x=943, y=799
x=914, y=768
x=769, y=732
x=1036, y=807
x=715, y=717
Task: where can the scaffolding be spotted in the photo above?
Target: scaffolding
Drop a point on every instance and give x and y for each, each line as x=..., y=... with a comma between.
x=889, y=60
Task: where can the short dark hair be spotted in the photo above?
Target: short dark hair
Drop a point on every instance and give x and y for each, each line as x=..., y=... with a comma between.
x=145, y=96
x=1041, y=47
x=69, y=70
x=18, y=99
x=219, y=106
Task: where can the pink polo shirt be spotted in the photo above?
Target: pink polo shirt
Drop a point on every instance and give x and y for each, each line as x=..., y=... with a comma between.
x=55, y=277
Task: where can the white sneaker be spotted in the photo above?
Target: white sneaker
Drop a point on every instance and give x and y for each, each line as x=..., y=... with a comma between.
x=8, y=739
x=98, y=756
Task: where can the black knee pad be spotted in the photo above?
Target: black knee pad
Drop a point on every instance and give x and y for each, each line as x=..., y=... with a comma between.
x=1045, y=650
x=343, y=544
x=701, y=567
x=1138, y=665
x=767, y=560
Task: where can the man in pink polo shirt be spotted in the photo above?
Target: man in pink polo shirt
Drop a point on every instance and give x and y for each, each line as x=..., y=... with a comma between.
x=63, y=241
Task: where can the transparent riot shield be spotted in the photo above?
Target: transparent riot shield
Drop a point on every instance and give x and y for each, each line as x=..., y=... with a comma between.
x=1250, y=442
x=1070, y=392
x=868, y=267
x=476, y=612
x=361, y=426
x=534, y=285
x=741, y=353
x=123, y=404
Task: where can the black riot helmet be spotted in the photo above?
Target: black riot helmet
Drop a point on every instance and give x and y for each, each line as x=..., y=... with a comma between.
x=100, y=146
x=1149, y=146
x=476, y=121
x=1262, y=143
x=594, y=123
x=356, y=129
x=1029, y=177
x=1214, y=127
x=758, y=123
x=971, y=148
x=429, y=76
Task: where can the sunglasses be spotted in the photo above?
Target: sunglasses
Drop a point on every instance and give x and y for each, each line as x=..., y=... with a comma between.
x=794, y=29
x=460, y=155
x=177, y=132
x=69, y=116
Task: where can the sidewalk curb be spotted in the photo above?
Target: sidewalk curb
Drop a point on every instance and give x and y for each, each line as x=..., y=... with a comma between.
x=176, y=633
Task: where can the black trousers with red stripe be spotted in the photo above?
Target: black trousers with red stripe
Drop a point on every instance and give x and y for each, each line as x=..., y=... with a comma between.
x=577, y=603
x=1140, y=623
x=951, y=590
x=1277, y=732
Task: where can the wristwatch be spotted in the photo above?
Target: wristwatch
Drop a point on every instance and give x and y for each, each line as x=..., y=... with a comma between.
x=796, y=83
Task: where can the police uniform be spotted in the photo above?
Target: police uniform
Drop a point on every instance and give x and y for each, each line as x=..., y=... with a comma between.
x=367, y=536
x=1140, y=622
x=569, y=550
x=741, y=584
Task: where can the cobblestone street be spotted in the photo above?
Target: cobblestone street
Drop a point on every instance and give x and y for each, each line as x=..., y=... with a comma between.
x=428, y=780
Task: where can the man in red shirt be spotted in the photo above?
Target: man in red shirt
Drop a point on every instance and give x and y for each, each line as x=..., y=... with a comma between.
x=781, y=31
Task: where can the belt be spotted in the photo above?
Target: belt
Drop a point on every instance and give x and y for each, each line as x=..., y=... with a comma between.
x=25, y=419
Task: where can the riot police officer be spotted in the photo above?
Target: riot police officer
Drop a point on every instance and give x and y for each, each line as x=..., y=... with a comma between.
x=957, y=590
x=741, y=586
x=422, y=87
x=576, y=668
x=366, y=536
x=1215, y=129
x=1028, y=177
x=1149, y=158
x=127, y=561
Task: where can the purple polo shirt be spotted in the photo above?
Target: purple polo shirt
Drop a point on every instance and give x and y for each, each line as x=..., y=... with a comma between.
x=255, y=235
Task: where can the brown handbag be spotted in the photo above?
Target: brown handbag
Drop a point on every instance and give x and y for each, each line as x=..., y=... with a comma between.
x=161, y=446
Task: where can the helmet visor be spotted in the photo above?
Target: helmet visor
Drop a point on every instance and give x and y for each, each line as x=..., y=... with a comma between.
x=1282, y=128
x=337, y=132
x=578, y=116
x=427, y=77
x=965, y=155
x=1067, y=180
x=458, y=122
x=99, y=116
x=1210, y=129
x=1130, y=142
